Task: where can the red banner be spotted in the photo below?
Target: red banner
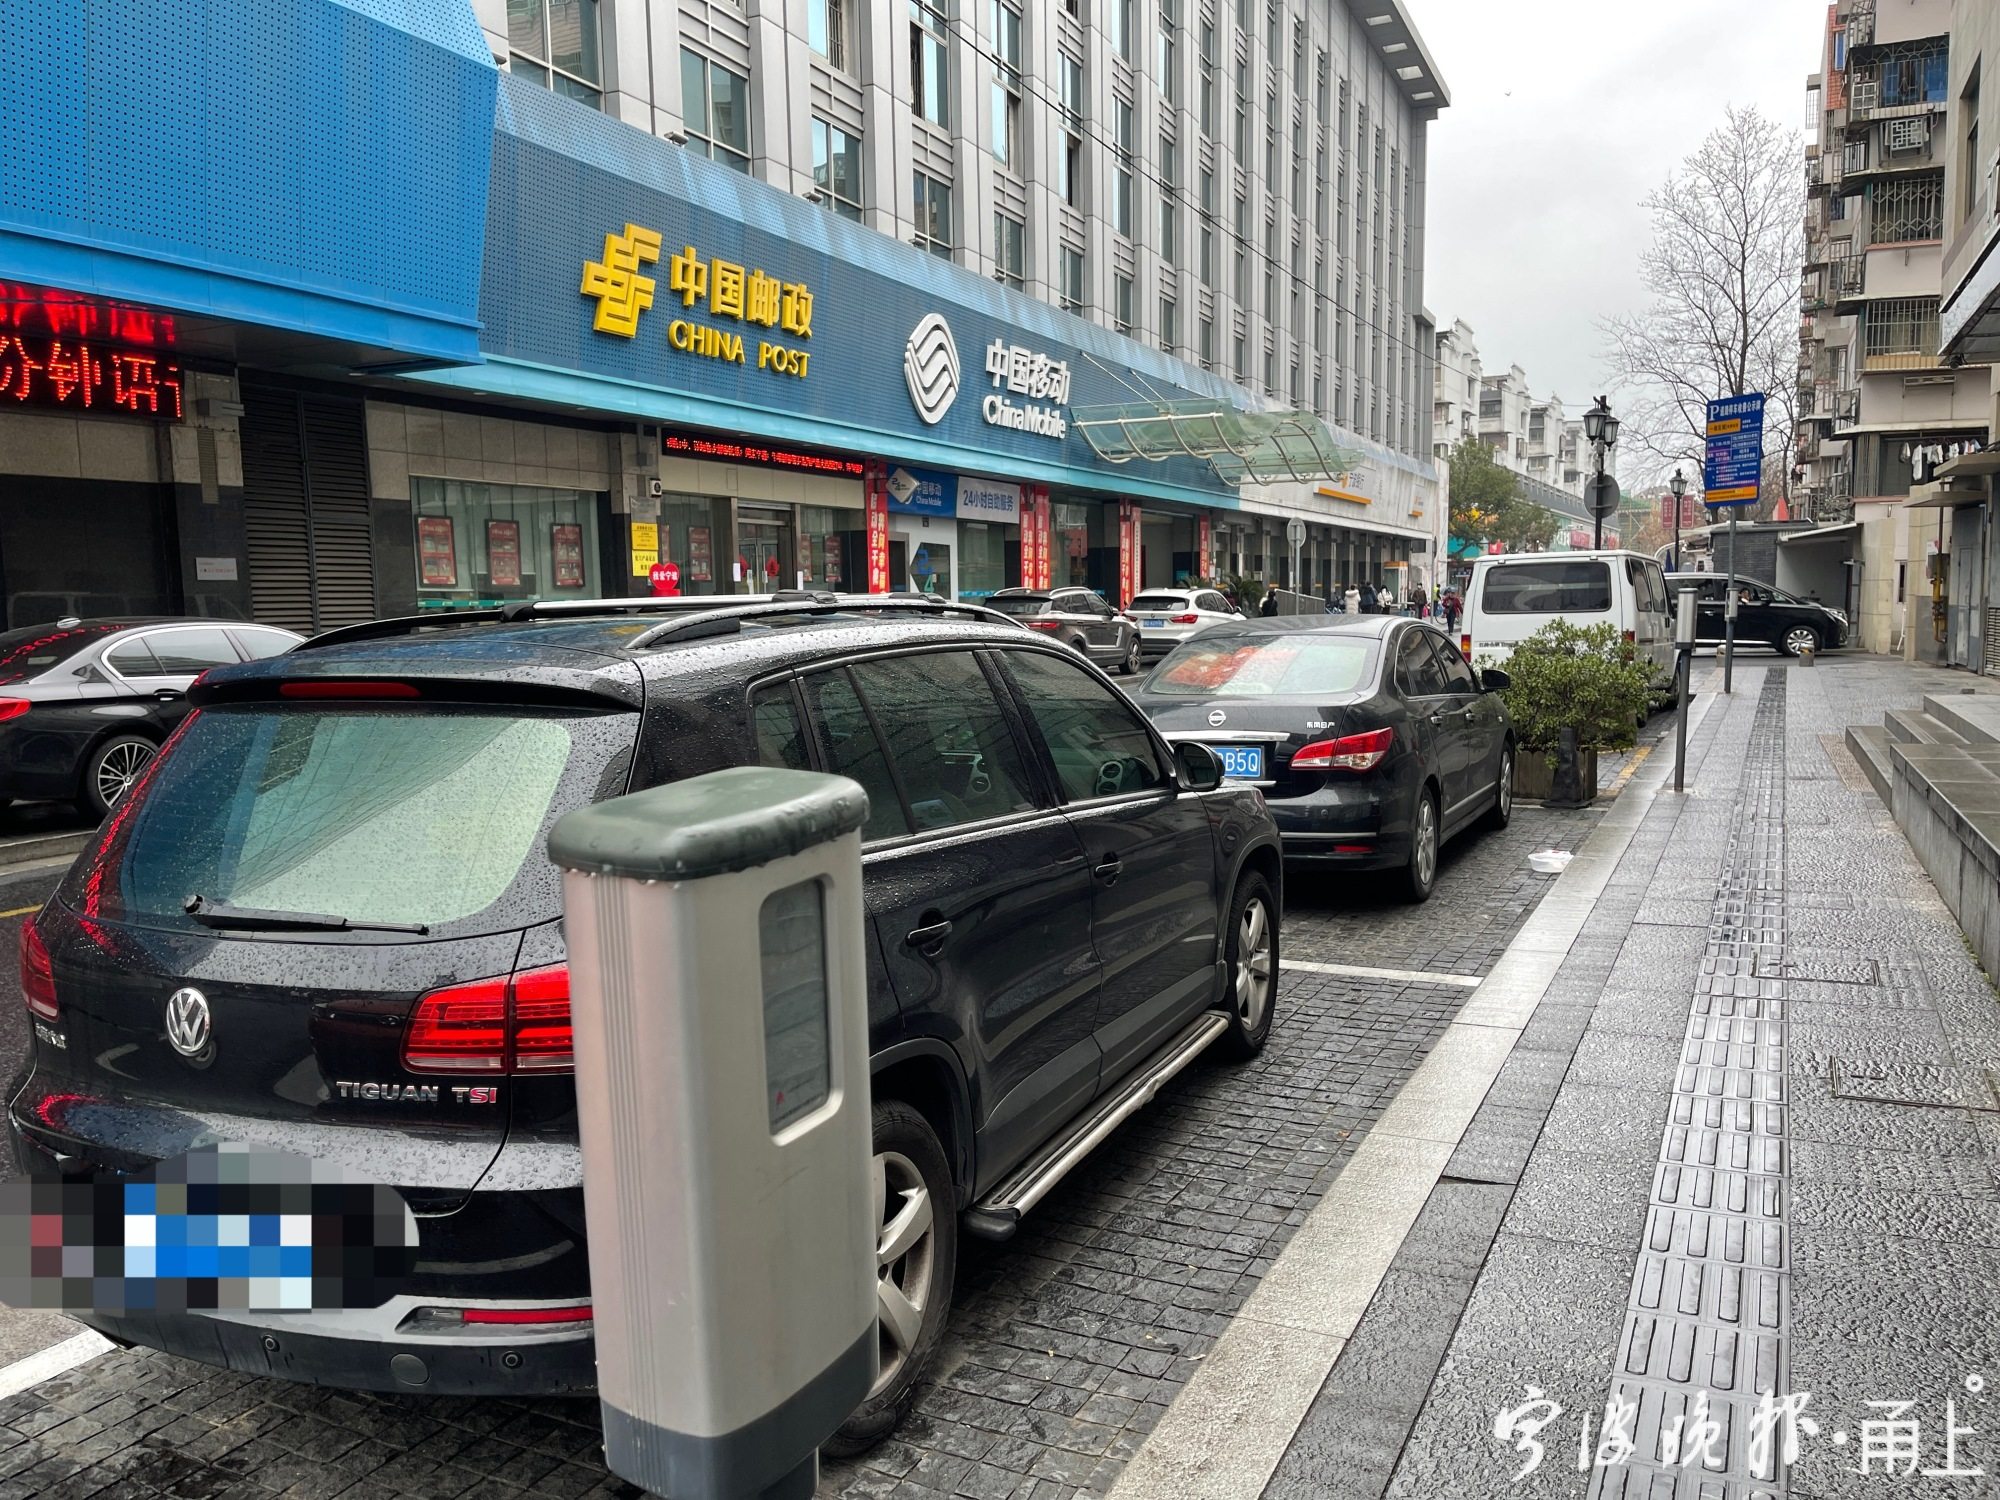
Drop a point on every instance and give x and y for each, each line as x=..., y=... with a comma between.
x=1204, y=565
x=877, y=492
x=1128, y=552
x=1036, y=572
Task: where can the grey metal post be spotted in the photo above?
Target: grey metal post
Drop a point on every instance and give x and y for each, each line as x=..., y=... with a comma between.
x=1684, y=639
x=1729, y=611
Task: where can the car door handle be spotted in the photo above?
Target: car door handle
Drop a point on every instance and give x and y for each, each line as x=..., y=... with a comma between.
x=930, y=937
x=1108, y=870
x=168, y=695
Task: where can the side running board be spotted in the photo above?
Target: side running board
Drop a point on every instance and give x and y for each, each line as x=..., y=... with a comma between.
x=996, y=1216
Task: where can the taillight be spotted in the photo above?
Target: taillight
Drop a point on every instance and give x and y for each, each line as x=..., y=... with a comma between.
x=1186, y=620
x=13, y=708
x=38, y=975
x=1354, y=752
x=580, y=1313
x=502, y=1025
x=347, y=690
x=1043, y=624
x=1465, y=647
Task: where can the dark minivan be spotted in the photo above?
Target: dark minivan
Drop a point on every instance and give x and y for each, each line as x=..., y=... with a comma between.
x=340, y=857
x=1764, y=613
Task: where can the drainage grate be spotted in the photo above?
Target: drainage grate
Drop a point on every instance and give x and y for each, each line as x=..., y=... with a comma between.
x=1704, y=1336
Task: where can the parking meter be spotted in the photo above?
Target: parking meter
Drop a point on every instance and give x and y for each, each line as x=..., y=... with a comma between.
x=718, y=990
x=1685, y=635
x=1684, y=619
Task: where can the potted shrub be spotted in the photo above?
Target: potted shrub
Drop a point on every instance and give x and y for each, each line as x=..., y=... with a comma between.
x=1564, y=676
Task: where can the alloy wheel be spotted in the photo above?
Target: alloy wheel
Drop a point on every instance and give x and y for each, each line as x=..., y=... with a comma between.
x=1425, y=856
x=905, y=1260
x=1799, y=640
x=1506, y=799
x=122, y=765
x=1253, y=965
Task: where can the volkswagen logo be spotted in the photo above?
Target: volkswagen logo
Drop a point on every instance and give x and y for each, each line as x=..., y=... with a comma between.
x=930, y=365
x=1217, y=719
x=188, y=1023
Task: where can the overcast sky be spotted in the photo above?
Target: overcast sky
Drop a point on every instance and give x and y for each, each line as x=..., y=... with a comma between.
x=1564, y=114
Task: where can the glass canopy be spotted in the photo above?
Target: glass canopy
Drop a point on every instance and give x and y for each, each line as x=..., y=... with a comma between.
x=1240, y=445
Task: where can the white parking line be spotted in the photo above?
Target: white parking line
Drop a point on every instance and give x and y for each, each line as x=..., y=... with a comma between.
x=57, y=1359
x=1402, y=976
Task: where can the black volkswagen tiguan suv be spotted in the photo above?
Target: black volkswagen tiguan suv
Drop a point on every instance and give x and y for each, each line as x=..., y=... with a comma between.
x=1063, y=909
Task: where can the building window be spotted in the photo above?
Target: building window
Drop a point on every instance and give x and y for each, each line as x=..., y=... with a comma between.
x=1071, y=165
x=1121, y=175
x=1972, y=181
x=1071, y=288
x=1907, y=208
x=1170, y=325
x=826, y=30
x=930, y=84
x=1242, y=111
x=555, y=42
x=1241, y=363
x=837, y=168
x=1008, y=236
x=1166, y=52
x=1118, y=22
x=1208, y=226
x=933, y=214
x=1121, y=303
x=1208, y=79
x=1170, y=219
x=715, y=104
x=1006, y=85
x=1901, y=333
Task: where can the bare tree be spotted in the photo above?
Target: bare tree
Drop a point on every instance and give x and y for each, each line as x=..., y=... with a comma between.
x=1722, y=273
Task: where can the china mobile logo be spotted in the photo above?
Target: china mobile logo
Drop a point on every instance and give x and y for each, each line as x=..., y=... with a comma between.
x=1697, y=1435
x=930, y=367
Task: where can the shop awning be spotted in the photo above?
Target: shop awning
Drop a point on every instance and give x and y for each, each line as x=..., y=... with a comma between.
x=1820, y=534
x=1240, y=445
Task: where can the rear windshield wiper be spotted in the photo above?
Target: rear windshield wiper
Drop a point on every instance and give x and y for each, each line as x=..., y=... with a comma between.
x=247, y=919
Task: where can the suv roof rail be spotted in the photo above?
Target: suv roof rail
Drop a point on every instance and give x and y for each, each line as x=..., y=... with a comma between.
x=727, y=620
x=717, y=614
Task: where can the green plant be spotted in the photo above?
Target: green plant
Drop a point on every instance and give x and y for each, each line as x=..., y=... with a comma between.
x=1585, y=678
x=1249, y=592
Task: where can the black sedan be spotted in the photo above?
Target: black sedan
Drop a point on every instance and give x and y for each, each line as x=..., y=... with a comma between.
x=1370, y=737
x=86, y=704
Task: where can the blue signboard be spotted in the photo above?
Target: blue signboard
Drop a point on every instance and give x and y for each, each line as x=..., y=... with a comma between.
x=1734, y=469
x=922, y=492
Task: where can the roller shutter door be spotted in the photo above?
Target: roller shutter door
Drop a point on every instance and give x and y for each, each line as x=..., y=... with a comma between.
x=305, y=507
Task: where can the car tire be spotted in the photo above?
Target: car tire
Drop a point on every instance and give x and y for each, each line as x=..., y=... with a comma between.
x=1130, y=665
x=111, y=770
x=1502, y=811
x=1798, y=640
x=1420, y=874
x=1250, y=959
x=917, y=1261
x=1081, y=647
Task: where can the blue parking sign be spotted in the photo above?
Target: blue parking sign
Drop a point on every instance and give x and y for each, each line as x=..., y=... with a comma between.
x=1734, y=468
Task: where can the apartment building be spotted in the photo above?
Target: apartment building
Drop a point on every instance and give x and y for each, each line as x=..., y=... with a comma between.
x=1883, y=407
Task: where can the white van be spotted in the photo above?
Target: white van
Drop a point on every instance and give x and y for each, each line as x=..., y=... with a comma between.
x=1511, y=597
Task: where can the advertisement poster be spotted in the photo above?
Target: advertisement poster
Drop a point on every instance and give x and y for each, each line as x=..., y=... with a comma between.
x=701, y=561
x=1035, y=537
x=503, y=554
x=437, y=553
x=1128, y=552
x=878, y=540
x=1203, y=553
x=566, y=547
x=833, y=559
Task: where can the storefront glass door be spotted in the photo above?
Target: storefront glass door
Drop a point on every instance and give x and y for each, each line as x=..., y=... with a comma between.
x=764, y=543
x=921, y=558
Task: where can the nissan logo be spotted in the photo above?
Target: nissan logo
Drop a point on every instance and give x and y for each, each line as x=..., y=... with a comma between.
x=1217, y=719
x=930, y=365
x=188, y=1023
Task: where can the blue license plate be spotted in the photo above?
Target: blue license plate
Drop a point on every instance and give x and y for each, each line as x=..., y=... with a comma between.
x=1154, y=624
x=1242, y=762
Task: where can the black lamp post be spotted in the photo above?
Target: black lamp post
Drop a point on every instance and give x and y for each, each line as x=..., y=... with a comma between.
x=1601, y=428
x=1679, y=485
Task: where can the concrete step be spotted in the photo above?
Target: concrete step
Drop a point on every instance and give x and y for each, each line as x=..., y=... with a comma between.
x=1913, y=727
x=1870, y=745
x=1973, y=717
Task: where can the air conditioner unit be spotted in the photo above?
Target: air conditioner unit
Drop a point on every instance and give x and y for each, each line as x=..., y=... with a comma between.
x=1909, y=135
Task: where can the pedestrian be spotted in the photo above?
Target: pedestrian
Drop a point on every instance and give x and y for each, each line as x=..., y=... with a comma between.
x=1387, y=602
x=1269, y=608
x=1417, y=602
x=1371, y=600
x=1350, y=600
x=1452, y=606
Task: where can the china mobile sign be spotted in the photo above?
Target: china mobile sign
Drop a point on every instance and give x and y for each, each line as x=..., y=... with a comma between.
x=933, y=373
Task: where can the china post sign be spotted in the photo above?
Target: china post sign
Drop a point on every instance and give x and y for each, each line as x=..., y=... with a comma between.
x=1734, y=467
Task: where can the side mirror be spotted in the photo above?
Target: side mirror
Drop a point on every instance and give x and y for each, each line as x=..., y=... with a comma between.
x=1493, y=680
x=1200, y=767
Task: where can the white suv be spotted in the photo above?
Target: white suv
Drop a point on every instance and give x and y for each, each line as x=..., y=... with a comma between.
x=1169, y=616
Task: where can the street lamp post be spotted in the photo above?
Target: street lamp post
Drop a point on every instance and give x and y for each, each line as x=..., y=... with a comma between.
x=1679, y=486
x=1601, y=428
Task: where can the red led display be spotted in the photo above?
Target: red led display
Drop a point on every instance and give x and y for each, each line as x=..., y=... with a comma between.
x=67, y=374
x=722, y=451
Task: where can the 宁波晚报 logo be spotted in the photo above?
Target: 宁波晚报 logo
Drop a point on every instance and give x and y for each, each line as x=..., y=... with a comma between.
x=930, y=365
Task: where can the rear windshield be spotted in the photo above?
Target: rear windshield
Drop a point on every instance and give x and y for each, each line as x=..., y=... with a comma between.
x=1161, y=601
x=1017, y=604
x=1294, y=665
x=1548, y=588
x=431, y=815
x=31, y=652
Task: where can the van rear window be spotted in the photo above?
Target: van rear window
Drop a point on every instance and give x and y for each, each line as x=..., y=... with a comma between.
x=1556, y=587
